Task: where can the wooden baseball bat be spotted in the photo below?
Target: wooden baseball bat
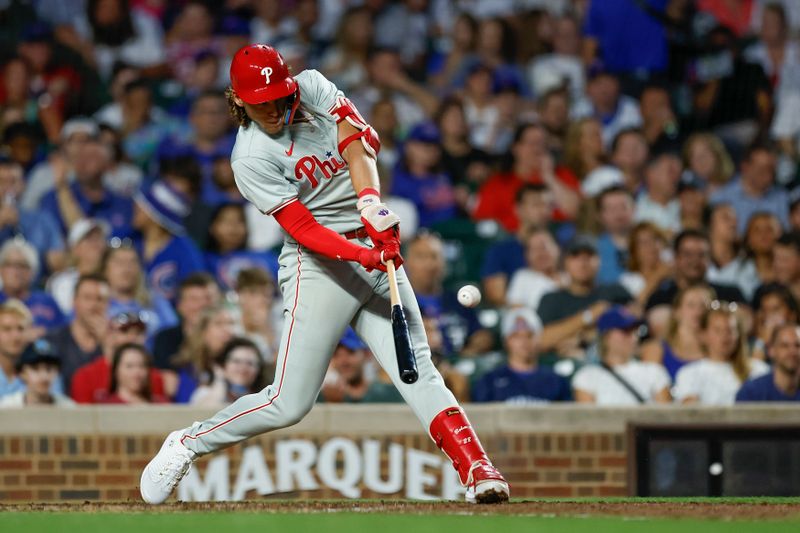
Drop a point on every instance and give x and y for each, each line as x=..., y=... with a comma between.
x=406, y=360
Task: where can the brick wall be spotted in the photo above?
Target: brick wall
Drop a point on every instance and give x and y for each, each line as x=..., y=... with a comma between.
x=544, y=451
x=107, y=467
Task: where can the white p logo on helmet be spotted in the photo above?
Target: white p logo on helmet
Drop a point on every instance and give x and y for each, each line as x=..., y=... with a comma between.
x=266, y=72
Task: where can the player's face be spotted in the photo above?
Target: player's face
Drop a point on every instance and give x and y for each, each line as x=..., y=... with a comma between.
x=269, y=115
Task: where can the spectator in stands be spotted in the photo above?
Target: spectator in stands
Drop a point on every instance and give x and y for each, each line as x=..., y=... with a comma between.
x=649, y=261
x=87, y=243
x=604, y=102
x=755, y=191
x=681, y=344
x=81, y=341
x=786, y=262
x=41, y=180
x=715, y=379
x=19, y=269
x=693, y=201
x=630, y=153
x=729, y=263
x=619, y=379
x=128, y=293
x=346, y=381
x=521, y=380
x=387, y=78
x=762, y=232
x=532, y=208
x=131, y=377
x=774, y=306
x=570, y=314
x=239, y=370
x=530, y=163
x=227, y=252
x=22, y=102
x=419, y=179
x=658, y=202
x=706, y=156
x=541, y=273
x=692, y=259
x=122, y=177
x=87, y=196
x=615, y=207
x=22, y=142
x=168, y=255
x=731, y=96
x=112, y=31
x=208, y=139
x=425, y=266
x=262, y=317
x=195, y=359
x=224, y=182
x=111, y=113
x=37, y=227
x=196, y=293
x=584, y=151
x=627, y=40
x=659, y=122
x=184, y=175
x=737, y=16
x=93, y=382
x=783, y=383
x=144, y=126
x=562, y=67
x=468, y=167
x=775, y=51
x=448, y=67
x=191, y=33
x=38, y=370
x=15, y=321
x=345, y=61
x=554, y=117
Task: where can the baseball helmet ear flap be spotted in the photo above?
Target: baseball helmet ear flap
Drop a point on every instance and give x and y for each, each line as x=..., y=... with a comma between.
x=292, y=103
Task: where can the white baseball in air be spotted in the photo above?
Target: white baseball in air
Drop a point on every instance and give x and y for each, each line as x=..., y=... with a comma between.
x=469, y=296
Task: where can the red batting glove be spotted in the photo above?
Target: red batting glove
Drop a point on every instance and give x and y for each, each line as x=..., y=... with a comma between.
x=382, y=238
x=375, y=258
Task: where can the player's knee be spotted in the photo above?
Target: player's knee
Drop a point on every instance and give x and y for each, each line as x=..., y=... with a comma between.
x=295, y=412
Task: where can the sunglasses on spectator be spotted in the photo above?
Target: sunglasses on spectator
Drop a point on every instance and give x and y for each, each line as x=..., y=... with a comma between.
x=722, y=305
x=127, y=321
x=116, y=242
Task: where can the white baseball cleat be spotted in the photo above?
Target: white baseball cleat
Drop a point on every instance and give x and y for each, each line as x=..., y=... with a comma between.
x=166, y=469
x=485, y=484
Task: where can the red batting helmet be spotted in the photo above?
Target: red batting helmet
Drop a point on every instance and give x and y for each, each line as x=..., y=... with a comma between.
x=260, y=74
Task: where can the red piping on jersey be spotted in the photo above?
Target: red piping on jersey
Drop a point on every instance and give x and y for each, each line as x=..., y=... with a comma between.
x=283, y=368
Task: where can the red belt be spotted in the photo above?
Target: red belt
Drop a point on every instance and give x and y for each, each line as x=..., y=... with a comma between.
x=360, y=233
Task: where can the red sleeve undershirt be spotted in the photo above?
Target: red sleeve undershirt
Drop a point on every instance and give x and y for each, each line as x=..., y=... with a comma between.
x=298, y=222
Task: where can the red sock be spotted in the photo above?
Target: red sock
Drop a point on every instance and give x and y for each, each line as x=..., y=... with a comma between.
x=453, y=434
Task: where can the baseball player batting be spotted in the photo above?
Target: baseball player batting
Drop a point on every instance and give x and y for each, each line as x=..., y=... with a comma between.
x=304, y=155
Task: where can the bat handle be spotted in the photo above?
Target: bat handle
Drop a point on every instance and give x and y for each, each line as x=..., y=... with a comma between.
x=394, y=291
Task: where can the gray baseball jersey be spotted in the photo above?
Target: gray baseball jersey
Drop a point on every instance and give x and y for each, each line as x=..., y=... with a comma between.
x=302, y=162
x=321, y=296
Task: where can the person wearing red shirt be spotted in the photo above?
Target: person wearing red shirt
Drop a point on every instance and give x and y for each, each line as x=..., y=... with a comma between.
x=131, y=369
x=531, y=163
x=91, y=383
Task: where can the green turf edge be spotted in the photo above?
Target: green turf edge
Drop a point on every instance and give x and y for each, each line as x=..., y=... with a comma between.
x=354, y=522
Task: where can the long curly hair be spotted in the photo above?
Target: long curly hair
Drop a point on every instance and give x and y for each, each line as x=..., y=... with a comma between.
x=237, y=112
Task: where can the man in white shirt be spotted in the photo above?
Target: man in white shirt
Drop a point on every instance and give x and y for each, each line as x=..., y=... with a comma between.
x=619, y=379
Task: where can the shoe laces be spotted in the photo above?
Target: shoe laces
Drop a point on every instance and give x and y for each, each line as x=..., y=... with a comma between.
x=178, y=464
x=477, y=464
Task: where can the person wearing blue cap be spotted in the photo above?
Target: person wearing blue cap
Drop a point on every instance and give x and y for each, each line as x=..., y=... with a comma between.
x=619, y=379
x=346, y=380
x=418, y=178
x=168, y=255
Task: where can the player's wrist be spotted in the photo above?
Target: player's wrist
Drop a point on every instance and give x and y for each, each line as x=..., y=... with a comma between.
x=368, y=197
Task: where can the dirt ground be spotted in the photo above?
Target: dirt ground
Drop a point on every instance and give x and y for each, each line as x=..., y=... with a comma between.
x=702, y=509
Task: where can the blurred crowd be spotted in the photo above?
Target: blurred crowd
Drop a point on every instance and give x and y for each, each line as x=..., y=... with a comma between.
x=620, y=177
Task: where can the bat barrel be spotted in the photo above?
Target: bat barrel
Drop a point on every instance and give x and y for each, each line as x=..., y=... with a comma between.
x=406, y=360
